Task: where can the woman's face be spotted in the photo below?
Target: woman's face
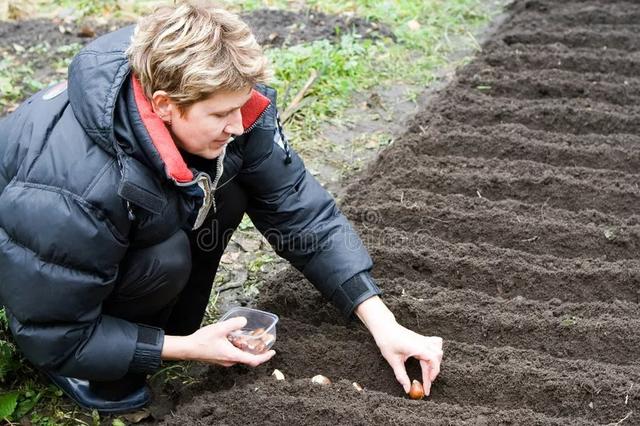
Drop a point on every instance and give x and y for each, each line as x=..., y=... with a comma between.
x=207, y=126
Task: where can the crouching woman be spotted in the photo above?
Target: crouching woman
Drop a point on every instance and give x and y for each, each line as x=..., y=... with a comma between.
x=119, y=191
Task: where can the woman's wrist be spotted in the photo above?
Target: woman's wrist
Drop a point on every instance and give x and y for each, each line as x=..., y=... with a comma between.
x=375, y=315
x=176, y=348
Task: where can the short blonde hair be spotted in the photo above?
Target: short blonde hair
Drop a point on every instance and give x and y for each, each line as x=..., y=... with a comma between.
x=192, y=50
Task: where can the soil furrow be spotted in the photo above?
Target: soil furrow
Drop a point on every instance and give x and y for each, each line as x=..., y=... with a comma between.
x=563, y=330
x=299, y=402
x=577, y=116
x=627, y=143
x=502, y=228
x=508, y=378
x=384, y=192
x=576, y=38
x=502, y=272
x=515, y=142
x=563, y=386
x=551, y=7
x=611, y=16
x=553, y=84
x=523, y=57
x=570, y=188
x=473, y=317
x=429, y=293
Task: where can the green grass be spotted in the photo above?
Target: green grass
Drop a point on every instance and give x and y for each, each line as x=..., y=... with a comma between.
x=342, y=69
x=16, y=79
x=20, y=391
x=24, y=396
x=17, y=74
x=425, y=32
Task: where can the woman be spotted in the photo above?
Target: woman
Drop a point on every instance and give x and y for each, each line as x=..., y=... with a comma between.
x=120, y=190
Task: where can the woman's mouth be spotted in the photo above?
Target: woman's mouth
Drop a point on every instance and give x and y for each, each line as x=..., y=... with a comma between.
x=220, y=141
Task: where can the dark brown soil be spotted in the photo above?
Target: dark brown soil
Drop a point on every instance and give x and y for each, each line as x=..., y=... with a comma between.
x=279, y=27
x=271, y=28
x=506, y=220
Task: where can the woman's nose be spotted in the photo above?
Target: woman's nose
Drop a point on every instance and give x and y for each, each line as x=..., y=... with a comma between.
x=234, y=126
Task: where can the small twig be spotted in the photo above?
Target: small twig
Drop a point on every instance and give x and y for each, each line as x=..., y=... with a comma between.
x=303, y=103
x=619, y=422
x=287, y=90
x=626, y=397
x=436, y=219
x=474, y=41
x=288, y=112
x=529, y=240
x=229, y=286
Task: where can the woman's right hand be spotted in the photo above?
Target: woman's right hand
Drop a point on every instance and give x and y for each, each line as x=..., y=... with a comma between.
x=210, y=344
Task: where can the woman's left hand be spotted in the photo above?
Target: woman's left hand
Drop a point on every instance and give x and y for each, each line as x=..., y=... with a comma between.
x=398, y=343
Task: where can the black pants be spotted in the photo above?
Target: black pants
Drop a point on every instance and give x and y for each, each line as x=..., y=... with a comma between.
x=207, y=246
x=162, y=288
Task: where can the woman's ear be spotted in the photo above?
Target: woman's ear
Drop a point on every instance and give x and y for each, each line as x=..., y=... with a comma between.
x=162, y=106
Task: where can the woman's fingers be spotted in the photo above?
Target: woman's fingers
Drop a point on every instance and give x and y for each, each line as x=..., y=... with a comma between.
x=426, y=376
x=435, y=369
x=401, y=373
x=232, y=324
x=430, y=361
x=254, y=360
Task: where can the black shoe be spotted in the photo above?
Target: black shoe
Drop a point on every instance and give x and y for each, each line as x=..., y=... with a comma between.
x=80, y=392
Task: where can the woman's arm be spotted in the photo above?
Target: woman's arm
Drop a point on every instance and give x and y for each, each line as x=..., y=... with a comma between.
x=398, y=343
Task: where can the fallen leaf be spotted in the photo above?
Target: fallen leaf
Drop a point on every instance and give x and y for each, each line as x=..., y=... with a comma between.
x=86, y=31
x=372, y=144
x=248, y=243
x=137, y=416
x=230, y=257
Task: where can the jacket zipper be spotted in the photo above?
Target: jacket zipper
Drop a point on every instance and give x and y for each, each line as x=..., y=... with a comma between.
x=203, y=180
x=219, y=171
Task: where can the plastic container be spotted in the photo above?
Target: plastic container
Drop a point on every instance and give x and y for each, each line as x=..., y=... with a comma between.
x=258, y=335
